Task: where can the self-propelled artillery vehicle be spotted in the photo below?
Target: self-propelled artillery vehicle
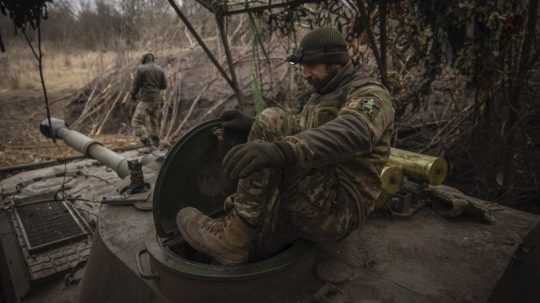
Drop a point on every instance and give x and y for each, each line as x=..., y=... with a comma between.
x=118, y=214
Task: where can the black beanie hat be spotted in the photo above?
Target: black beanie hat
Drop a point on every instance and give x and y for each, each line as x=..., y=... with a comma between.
x=147, y=58
x=323, y=45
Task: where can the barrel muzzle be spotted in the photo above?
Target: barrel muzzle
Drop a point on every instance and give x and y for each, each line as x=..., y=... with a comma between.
x=51, y=130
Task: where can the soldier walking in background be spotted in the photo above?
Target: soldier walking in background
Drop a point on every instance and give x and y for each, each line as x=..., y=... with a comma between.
x=312, y=175
x=149, y=81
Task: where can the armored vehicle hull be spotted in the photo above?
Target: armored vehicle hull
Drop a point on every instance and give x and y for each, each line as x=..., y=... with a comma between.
x=421, y=259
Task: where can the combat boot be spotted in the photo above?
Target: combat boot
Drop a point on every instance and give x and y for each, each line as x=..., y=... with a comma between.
x=227, y=240
x=154, y=140
x=146, y=142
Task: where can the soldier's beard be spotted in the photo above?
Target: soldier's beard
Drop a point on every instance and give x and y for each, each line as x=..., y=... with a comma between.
x=319, y=83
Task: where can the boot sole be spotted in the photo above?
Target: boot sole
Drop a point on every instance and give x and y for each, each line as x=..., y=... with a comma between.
x=195, y=245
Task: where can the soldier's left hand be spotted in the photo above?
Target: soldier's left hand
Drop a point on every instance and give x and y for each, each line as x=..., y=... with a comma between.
x=236, y=120
x=244, y=159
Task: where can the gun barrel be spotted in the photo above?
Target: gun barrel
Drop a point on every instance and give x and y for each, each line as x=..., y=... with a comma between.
x=86, y=145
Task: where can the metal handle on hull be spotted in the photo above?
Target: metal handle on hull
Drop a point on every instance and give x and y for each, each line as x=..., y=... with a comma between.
x=150, y=276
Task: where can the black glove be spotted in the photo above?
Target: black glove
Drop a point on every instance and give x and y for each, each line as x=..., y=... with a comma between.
x=245, y=159
x=235, y=120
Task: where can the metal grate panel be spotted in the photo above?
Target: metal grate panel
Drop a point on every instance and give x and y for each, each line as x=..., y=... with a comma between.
x=48, y=223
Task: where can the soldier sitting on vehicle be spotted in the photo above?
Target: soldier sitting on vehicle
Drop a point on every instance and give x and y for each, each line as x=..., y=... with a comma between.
x=317, y=171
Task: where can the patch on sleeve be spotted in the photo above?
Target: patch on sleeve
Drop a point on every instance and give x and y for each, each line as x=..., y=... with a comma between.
x=368, y=105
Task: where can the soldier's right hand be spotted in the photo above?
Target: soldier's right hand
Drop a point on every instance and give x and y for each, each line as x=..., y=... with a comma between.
x=235, y=120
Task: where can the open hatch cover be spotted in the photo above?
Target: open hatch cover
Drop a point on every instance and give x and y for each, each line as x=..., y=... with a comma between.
x=192, y=175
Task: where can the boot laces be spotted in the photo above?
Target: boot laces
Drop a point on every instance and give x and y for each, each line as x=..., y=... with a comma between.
x=215, y=227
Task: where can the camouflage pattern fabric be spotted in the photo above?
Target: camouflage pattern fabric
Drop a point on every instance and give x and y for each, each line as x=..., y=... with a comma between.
x=284, y=205
x=347, y=130
x=341, y=140
x=145, y=121
x=149, y=80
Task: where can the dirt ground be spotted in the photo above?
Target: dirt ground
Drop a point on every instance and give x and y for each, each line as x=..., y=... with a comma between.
x=22, y=106
x=21, y=112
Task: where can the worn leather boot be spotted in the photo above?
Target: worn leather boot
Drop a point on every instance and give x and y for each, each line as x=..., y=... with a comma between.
x=227, y=240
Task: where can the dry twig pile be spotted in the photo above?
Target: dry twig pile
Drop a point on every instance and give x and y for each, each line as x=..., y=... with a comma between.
x=195, y=91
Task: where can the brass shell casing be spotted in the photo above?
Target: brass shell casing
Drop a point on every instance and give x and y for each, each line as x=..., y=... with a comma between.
x=391, y=177
x=418, y=166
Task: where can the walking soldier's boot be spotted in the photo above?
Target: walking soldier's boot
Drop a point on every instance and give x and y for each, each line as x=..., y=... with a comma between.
x=154, y=140
x=227, y=240
x=146, y=142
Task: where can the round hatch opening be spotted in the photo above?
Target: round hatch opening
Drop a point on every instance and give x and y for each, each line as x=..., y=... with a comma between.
x=191, y=175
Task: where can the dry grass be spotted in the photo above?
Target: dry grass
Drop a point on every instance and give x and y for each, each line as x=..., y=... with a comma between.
x=66, y=72
x=22, y=103
x=63, y=70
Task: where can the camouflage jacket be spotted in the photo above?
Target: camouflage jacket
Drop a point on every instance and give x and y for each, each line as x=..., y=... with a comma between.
x=149, y=81
x=348, y=127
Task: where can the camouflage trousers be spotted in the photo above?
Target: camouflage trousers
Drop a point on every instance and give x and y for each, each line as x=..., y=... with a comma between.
x=293, y=202
x=145, y=121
